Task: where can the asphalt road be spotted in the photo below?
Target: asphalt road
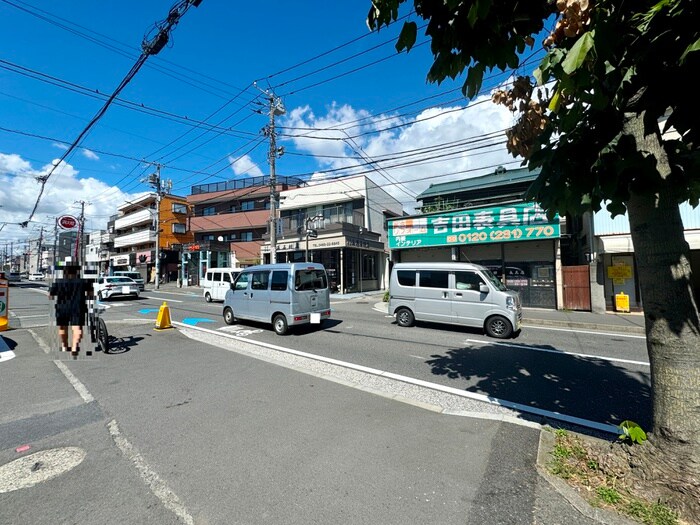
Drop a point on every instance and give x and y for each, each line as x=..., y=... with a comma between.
x=565, y=374
x=170, y=430
x=598, y=377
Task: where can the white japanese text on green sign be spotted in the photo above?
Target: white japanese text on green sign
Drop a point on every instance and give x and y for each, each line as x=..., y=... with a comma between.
x=518, y=222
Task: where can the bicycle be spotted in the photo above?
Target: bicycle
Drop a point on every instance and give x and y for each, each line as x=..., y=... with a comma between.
x=98, y=327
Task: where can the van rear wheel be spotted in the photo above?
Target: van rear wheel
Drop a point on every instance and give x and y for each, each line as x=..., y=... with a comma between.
x=228, y=316
x=499, y=327
x=404, y=317
x=279, y=323
x=207, y=297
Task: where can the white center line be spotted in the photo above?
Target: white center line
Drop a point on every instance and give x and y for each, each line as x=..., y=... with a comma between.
x=560, y=352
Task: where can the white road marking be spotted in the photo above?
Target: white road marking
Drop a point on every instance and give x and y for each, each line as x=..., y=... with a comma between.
x=28, y=316
x=79, y=387
x=149, y=476
x=240, y=331
x=560, y=352
x=162, y=299
x=189, y=294
x=419, y=382
x=40, y=341
x=6, y=355
x=577, y=331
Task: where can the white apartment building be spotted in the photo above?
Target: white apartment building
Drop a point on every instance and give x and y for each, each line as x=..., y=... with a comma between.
x=341, y=224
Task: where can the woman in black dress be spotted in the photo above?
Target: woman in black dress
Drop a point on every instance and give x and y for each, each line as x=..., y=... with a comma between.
x=71, y=294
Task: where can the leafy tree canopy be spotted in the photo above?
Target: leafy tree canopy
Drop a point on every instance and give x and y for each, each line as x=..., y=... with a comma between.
x=604, y=61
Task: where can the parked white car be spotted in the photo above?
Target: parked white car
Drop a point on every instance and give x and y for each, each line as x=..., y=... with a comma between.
x=36, y=277
x=111, y=286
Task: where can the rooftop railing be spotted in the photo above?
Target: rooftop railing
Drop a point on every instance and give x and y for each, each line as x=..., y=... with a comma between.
x=249, y=182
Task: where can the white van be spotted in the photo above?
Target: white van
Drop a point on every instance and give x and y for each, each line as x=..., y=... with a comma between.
x=216, y=282
x=454, y=293
x=284, y=294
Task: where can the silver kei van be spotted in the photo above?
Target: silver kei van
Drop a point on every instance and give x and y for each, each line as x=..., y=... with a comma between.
x=454, y=293
x=284, y=294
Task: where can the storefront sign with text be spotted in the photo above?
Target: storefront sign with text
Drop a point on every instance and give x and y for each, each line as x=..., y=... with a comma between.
x=517, y=222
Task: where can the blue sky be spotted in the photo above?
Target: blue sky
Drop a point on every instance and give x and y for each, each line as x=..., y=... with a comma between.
x=350, y=99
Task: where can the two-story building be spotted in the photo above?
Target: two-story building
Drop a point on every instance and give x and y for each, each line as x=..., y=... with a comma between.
x=229, y=222
x=485, y=220
x=341, y=224
x=613, y=253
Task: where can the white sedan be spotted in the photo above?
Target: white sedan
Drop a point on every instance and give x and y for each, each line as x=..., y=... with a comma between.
x=111, y=286
x=36, y=277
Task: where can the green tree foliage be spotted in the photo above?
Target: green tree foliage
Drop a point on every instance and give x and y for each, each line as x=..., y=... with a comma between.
x=624, y=56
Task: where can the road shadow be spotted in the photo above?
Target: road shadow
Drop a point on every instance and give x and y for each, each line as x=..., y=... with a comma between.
x=588, y=388
x=121, y=345
x=11, y=343
x=455, y=328
x=326, y=325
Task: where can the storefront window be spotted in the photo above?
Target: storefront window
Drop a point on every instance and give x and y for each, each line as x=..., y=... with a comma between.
x=369, y=266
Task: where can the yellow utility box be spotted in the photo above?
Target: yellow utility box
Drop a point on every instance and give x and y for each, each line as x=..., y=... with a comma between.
x=622, y=302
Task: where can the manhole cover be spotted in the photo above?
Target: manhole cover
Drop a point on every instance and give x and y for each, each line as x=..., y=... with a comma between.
x=38, y=467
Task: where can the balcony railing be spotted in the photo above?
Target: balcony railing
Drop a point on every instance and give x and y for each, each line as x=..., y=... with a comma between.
x=139, y=217
x=133, y=239
x=296, y=224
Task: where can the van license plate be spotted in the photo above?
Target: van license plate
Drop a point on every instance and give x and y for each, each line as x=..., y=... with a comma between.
x=315, y=318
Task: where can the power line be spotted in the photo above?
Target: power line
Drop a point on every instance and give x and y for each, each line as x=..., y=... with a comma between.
x=151, y=47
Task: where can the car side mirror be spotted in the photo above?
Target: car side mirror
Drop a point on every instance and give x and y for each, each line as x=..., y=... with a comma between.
x=483, y=288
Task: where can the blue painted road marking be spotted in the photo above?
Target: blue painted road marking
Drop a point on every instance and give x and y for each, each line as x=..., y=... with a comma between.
x=194, y=320
x=148, y=310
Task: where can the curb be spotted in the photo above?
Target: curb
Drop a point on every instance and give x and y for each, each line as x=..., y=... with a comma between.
x=585, y=326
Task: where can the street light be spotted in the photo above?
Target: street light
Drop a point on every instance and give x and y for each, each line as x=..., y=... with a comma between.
x=310, y=232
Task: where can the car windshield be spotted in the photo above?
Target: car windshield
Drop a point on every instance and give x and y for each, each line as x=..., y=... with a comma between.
x=495, y=281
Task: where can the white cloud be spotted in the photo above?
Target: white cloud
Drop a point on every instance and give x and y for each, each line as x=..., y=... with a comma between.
x=59, y=146
x=409, y=152
x=19, y=190
x=245, y=166
x=90, y=154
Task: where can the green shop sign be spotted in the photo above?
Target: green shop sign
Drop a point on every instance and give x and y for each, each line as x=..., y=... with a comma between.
x=518, y=222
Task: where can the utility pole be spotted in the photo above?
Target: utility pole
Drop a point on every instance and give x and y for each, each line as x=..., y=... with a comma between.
x=155, y=182
x=79, y=244
x=55, y=241
x=276, y=109
x=38, y=250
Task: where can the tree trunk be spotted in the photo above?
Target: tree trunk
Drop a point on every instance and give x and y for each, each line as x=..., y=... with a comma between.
x=672, y=459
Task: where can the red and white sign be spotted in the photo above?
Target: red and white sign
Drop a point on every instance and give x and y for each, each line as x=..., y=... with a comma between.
x=67, y=222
